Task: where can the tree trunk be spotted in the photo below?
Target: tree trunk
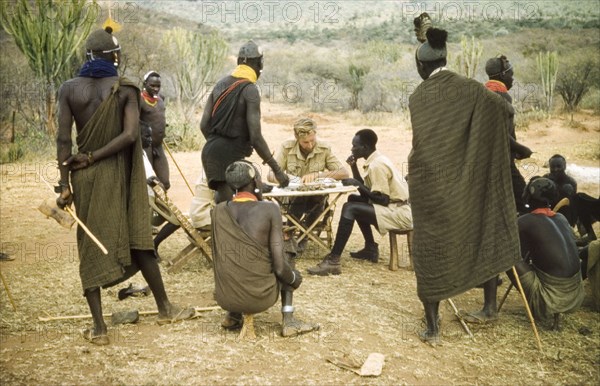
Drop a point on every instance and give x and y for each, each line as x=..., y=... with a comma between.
x=50, y=113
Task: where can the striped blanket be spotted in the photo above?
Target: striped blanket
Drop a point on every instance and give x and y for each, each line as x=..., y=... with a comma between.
x=110, y=197
x=244, y=277
x=465, y=229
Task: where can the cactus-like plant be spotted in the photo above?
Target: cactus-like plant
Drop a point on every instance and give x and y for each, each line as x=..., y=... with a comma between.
x=49, y=33
x=468, y=60
x=547, y=63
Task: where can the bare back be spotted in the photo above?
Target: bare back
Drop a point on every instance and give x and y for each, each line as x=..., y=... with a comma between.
x=550, y=243
x=84, y=95
x=257, y=219
x=78, y=99
x=262, y=221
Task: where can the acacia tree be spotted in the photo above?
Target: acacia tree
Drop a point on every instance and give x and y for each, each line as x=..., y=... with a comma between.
x=197, y=60
x=572, y=85
x=356, y=82
x=49, y=33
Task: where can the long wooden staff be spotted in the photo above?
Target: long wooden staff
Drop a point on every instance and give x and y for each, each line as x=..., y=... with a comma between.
x=88, y=316
x=535, y=331
x=81, y=224
x=178, y=168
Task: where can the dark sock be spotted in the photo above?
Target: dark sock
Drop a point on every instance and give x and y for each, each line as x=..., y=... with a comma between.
x=167, y=230
x=343, y=234
x=367, y=232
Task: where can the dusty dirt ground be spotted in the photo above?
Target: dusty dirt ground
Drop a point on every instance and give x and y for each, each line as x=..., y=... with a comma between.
x=366, y=309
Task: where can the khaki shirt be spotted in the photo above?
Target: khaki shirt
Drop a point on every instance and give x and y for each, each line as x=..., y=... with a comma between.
x=292, y=161
x=380, y=175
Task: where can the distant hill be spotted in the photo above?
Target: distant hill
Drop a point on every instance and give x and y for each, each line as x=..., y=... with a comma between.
x=385, y=20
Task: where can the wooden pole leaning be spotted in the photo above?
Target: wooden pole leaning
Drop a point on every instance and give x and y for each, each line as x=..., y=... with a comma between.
x=460, y=319
x=178, y=168
x=10, y=298
x=533, y=326
x=81, y=224
x=510, y=286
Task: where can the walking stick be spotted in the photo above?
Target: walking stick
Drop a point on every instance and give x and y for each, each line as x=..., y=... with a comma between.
x=88, y=316
x=8, y=291
x=89, y=232
x=81, y=224
x=178, y=168
x=535, y=331
x=510, y=286
x=461, y=320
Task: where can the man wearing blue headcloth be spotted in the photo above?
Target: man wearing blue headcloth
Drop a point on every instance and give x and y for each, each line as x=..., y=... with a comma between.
x=108, y=181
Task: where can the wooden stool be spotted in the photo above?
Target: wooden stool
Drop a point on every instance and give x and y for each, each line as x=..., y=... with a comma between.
x=394, y=248
x=247, y=332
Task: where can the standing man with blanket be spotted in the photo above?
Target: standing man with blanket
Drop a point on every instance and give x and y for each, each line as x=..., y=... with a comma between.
x=465, y=229
x=231, y=123
x=109, y=185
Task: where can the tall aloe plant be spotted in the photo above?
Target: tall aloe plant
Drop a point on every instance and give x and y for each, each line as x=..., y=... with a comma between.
x=548, y=67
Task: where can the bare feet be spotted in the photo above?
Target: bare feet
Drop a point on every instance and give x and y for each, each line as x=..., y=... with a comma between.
x=479, y=317
x=99, y=339
x=432, y=339
x=175, y=314
x=292, y=327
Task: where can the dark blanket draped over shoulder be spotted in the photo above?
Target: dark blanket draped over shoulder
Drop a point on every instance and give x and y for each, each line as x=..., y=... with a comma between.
x=224, y=109
x=244, y=277
x=464, y=214
x=110, y=197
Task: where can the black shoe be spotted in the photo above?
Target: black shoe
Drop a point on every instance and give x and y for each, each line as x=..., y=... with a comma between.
x=370, y=253
x=133, y=291
x=302, y=245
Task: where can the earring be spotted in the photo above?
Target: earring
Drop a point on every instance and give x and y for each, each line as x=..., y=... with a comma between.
x=256, y=190
x=116, y=58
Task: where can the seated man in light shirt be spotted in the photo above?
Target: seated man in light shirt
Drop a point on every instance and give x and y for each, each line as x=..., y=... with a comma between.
x=305, y=159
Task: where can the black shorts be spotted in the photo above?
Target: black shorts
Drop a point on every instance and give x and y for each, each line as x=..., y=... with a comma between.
x=218, y=153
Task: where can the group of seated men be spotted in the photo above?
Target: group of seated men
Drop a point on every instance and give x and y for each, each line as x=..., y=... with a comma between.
x=254, y=262
x=249, y=243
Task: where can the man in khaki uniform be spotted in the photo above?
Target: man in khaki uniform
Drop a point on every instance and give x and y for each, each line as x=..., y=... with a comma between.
x=305, y=159
x=383, y=202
